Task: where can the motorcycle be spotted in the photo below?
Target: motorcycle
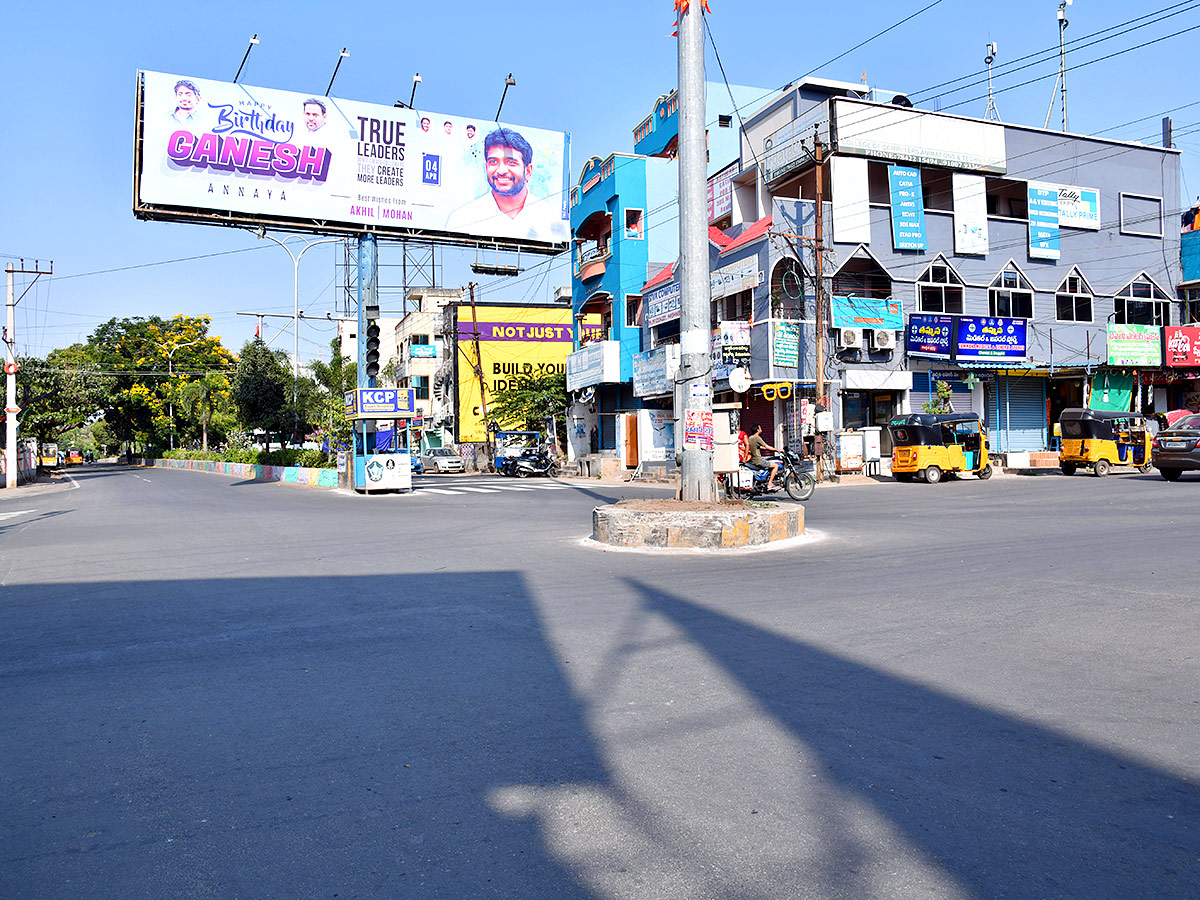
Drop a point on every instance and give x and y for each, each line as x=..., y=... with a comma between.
x=531, y=462
x=796, y=475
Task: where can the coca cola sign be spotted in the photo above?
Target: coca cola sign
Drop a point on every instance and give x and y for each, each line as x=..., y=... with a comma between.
x=1181, y=346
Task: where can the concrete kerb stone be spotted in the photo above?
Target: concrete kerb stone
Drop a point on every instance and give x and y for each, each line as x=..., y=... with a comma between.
x=695, y=529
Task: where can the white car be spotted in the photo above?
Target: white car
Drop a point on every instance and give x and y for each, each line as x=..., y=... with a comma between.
x=442, y=459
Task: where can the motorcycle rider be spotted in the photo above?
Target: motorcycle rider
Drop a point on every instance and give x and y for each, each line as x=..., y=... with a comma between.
x=756, y=444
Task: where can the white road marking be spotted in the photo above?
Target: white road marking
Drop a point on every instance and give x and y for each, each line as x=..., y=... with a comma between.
x=15, y=513
x=475, y=490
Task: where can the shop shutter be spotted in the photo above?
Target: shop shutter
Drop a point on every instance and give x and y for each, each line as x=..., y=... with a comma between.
x=960, y=395
x=1016, y=414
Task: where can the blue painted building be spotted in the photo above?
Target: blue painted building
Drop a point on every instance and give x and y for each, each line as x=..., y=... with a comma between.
x=625, y=230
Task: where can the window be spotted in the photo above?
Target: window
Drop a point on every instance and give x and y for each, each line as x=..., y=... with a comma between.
x=1073, y=300
x=1141, y=302
x=940, y=290
x=633, y=311
x=724, y=121
x=421, y=385
x=420, y=339
x=1011, y=295
x=1191, y=301
x=633, y=224
x=734, y=308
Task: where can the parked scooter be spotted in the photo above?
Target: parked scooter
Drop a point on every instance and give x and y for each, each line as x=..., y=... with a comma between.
x=796, y=476
x=531, y=462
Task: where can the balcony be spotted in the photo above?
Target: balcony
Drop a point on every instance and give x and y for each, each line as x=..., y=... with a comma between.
x=592, y=260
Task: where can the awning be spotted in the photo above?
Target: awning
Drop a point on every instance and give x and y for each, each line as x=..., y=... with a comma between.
x=986, y=364
x=876, y=380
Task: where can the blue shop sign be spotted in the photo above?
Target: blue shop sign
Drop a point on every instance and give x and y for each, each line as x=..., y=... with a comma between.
x=930, y=336
x=992, y=339
x=381, y=403
x=908, y=208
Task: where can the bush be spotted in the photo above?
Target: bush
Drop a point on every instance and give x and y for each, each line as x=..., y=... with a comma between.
x=312, y=459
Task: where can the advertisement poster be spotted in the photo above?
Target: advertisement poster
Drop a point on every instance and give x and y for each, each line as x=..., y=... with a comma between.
x=662, y=436
x=372, y=403
x=210, y=146
x=1078, y=207
x=990, y=340
x=662, y=304
x=970, y=214
x=866, y=312
x=1134, y=345
x=1182, y=346
x=851, y=200
x=654, y=371
x=1043, y=221
x=698, y=429
x=730, y=348
x=388, y=472
x=930, y=336
x=513, y=341
x=786, y=351
x=743, y=275
x=908, y=208
x=720, y=193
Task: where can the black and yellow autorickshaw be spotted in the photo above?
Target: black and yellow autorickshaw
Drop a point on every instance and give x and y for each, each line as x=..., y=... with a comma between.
x=930, y=445
x=1102, y=438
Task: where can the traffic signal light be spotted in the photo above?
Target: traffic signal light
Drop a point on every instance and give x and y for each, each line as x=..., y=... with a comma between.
x=372, y=349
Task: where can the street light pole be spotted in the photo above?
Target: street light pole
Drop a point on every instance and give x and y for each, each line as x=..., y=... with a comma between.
x=171, y=384
x=296, y=257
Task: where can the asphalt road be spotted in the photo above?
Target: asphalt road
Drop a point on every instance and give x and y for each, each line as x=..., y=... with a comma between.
x=213, y=688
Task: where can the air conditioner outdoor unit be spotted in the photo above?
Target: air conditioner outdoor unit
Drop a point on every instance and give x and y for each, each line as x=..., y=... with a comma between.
x=850, y=338
x=883, y=339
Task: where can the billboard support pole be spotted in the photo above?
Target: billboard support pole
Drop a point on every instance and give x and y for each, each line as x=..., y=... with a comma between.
x=694, y=391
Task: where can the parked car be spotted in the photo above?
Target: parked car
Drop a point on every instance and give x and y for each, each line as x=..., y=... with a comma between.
x=1177, y=449
x=443, y=459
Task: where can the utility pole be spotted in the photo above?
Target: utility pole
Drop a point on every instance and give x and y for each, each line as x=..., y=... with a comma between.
x=694, y=386
x=477, y=365
x=11, y=410
x=819, y=156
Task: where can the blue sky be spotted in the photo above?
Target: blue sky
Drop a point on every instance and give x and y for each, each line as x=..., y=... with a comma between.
x=591, y=69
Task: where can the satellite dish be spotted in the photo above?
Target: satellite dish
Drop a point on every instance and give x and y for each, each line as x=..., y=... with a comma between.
x=739, y=380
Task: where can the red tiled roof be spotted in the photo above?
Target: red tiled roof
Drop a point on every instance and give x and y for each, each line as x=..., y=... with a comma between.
x=662, y=276
x=754, y=233
x=718, y=237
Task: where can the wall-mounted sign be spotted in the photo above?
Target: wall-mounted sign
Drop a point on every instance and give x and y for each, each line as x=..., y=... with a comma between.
x=1134, y=345
x=786, y=350
x=1078, y=207
x=930, y=336
x=720, y=193
x=654, y=371
x=990, y=340
x=422, y=351
x=663, y=304
x=866, y=312
x=1182, y=346
x=908, y=208
x=374, y=403
x=730, y=348
x=970, y=214
x=918, y=136
x=1043, y=221
x=743, y=275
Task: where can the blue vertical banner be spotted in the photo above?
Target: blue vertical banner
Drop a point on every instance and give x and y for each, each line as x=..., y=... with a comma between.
x=908, y=208
x=1043, y=221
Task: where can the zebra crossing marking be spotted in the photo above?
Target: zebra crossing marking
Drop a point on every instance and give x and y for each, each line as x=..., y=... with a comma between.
x=16, y=512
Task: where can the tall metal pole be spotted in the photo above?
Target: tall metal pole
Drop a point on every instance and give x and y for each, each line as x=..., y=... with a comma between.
x=694, y=387
x=819, y=243
x=10, y=387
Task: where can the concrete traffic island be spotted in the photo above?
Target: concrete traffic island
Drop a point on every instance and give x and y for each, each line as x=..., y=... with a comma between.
x=676, y=524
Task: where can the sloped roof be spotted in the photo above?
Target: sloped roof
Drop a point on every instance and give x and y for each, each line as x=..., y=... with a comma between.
x=753, y=233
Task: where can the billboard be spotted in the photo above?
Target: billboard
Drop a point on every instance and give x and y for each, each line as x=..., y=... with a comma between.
x=215, y=152
x=1134, y=345
x=866, y=312
x=513, y=341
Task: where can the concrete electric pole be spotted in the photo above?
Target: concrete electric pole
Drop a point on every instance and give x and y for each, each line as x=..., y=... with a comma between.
x=693, y=392
x=11, y=410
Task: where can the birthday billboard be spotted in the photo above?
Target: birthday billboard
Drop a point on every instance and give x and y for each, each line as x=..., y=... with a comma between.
x=231, y=154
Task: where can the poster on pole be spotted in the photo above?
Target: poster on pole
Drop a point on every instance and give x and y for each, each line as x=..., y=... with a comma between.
x=233, y=154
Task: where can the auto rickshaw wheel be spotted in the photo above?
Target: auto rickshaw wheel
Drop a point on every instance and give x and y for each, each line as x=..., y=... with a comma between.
x=933, y=475
x=986, y=472
x=1068, y=468
x=1144, y=469
x=1170, y=474
x=1101, y=467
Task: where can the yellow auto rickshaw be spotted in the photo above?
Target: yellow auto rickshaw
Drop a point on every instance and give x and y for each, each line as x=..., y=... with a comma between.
x=1102, y=438
x=930, y=445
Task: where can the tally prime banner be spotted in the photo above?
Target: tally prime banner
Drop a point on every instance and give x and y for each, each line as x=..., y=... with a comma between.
x=513, y=341
x=221, y=153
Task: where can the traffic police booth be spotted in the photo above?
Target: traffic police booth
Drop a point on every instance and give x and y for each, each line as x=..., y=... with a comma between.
x=381, y=420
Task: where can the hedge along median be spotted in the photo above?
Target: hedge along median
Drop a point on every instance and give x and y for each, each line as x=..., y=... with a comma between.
x=325, y=478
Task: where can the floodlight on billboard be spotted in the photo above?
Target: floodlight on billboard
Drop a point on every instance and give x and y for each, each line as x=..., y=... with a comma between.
x=232, y=154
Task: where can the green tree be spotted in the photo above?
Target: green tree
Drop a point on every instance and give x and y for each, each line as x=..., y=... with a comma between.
x=333, y=379
x=62, y=392
x=205, y=397
x=530, y=402
x=260, y=389
x=940, y=401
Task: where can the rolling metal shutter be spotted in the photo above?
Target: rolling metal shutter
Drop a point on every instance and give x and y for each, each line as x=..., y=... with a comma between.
x=1016, y=413
x=960, y=394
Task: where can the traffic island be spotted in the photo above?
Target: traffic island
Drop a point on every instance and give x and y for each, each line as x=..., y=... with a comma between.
x=675, y=524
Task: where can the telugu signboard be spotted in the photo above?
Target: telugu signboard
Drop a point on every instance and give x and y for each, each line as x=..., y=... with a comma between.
x=730, y=348
x=1134, y=345
x=930, y=336
x=991, y=339
x=232, y=154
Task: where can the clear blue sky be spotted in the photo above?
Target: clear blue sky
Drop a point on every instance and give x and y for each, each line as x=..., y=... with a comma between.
x=591, y=69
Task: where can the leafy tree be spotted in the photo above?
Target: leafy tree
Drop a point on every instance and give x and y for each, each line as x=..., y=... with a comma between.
x=260, y=389
x=940, y=402
x=204, y=397
x=333, y=379
x=60, y=393
x=530, y=401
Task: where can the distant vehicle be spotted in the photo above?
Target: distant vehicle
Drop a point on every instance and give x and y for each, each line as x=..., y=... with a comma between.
x=74, y=457
x=1177, y=449
x=48, y=456
x=443, y=459
x=1100, y=439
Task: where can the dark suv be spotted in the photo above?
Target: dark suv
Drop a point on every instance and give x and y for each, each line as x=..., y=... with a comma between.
x=1177, y=448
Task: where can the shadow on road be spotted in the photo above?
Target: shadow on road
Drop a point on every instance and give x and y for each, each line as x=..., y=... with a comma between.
x=1006, y=807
